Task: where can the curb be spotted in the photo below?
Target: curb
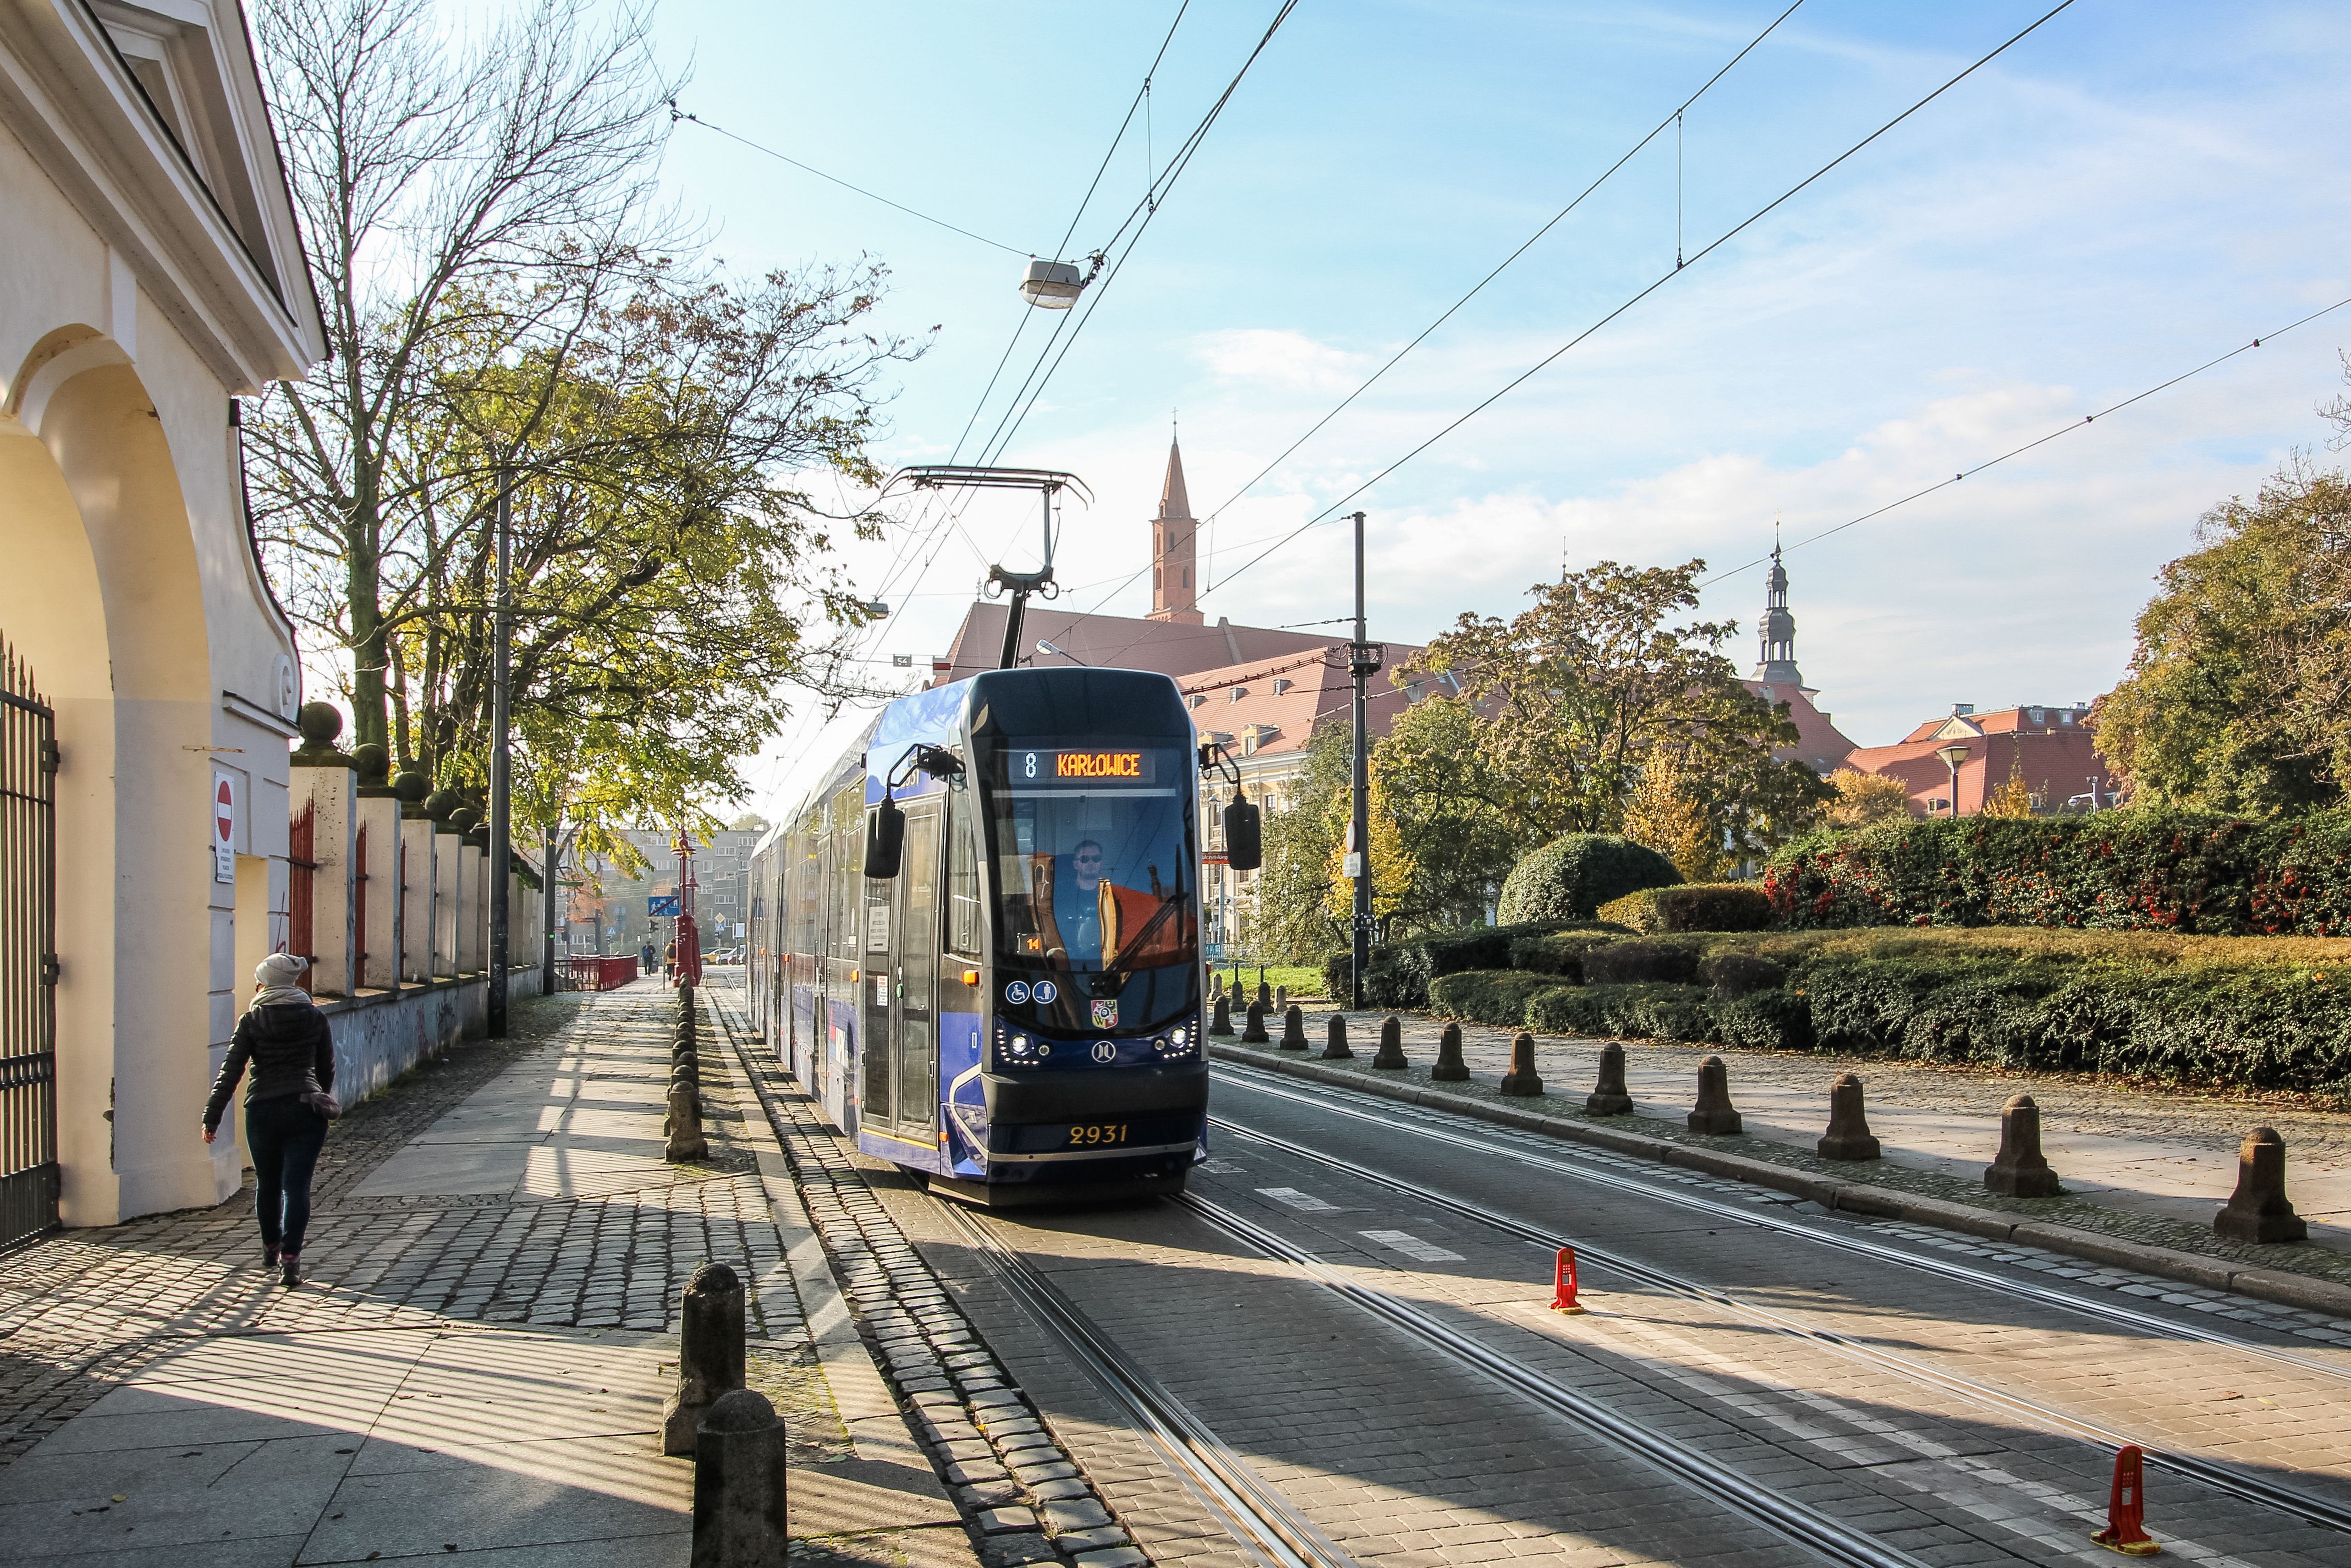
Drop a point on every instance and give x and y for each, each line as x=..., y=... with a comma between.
x=1844, y=1196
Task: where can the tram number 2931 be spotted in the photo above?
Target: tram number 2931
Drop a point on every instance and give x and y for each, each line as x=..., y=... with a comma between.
x=1098, y=1133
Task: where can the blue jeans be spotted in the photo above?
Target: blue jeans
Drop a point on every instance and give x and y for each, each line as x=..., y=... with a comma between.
x=284, y=1136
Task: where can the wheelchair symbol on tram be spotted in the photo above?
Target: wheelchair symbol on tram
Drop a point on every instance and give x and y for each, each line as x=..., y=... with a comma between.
x=1017, y=992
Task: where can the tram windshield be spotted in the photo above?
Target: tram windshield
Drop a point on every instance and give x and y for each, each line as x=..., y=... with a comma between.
x=1091, y=845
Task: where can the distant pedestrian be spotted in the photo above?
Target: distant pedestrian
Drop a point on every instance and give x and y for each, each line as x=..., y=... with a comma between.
x=646, y=955
x=283, y=1041
x=668, y=960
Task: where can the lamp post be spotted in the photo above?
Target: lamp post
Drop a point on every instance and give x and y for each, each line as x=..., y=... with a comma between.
x=1952, y=757
x=501, y=853
x=1363, y=659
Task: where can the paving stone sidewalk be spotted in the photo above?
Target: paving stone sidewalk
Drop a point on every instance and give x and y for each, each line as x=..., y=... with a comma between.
x=2145, y=1164
x=479, y=1360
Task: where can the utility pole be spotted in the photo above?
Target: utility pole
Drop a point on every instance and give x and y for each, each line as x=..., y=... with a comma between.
x=501, y=770
x=1363, y=660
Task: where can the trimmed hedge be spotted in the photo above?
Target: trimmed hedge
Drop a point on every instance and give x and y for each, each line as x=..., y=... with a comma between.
x=1643, y=961
x=1572, y=876
x=1692, y=906
x=2243, y=1013
x=1560, y=953
x=1400, y=974
x=1497, y=997
x=2148, y=870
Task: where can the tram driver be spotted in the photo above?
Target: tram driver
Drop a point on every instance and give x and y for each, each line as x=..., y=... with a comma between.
x=1077, y=905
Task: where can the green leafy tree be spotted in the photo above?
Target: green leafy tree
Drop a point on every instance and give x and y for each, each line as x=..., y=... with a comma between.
x=1451, y=812
x=505, y=311
x=1290, y=919
x=2238, y=697
x=1575, y=695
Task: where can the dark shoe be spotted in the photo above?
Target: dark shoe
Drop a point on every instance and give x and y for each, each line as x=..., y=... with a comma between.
x=269, y=1257
x=293, y=1275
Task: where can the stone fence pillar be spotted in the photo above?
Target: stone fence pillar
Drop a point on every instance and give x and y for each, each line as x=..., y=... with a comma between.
x=323, y=782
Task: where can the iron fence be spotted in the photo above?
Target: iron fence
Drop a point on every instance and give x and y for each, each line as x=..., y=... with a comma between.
x=28, y=959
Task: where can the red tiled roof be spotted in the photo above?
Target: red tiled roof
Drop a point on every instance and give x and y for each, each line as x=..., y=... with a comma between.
x=1819, y=745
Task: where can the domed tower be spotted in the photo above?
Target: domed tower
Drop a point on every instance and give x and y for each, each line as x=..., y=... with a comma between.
x=1778, y=630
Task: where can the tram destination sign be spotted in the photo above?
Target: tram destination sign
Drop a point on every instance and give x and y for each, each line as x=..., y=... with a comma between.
x=1103, y=767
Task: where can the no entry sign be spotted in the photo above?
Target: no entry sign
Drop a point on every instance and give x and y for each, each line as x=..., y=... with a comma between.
x=224, y=827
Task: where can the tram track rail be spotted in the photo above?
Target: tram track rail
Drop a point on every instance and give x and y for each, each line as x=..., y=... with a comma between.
x=1795, y=1522
x=2228, y=1479
x=2109, y=1313
x=1250, y=1508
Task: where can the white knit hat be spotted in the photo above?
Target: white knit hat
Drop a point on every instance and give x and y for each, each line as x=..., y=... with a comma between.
x=279, y=970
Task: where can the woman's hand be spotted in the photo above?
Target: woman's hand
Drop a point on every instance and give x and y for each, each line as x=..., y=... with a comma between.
x=210, y=1133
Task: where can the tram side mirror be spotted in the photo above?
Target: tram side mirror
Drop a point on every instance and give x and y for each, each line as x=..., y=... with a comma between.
x=1244, y=845
x=886, y=835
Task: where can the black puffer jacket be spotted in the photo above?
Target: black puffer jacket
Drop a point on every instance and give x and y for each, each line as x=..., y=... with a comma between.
x=289, y=1051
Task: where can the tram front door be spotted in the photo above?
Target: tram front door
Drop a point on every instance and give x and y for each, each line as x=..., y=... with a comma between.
x=902, y=1069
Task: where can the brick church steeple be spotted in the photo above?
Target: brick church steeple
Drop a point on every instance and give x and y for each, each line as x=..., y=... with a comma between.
x=1175, y=591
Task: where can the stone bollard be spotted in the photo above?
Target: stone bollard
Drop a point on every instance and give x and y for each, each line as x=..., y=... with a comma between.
x=2259, y=1210
x=1848, y=1135
x=1608, y=1097
x=710, y=1352
x=1220, y=1020
x=1253, y=1027
x=684, y=1126
x=2018, y=1171
x=739, y=1481
x=1334, y=1043
x=1216, y=984
x=1391, y=1043
x=1293, y=1029
x=1449, y=1068
x=1264, y=992
x=1282, y=999
x=1714, y=1112
x=1521, y=1078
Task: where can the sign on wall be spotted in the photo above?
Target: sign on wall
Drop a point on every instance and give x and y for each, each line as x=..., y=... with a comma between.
x=224, y=826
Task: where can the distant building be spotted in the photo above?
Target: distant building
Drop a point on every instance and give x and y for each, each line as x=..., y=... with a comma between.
x=608, y=910
x=1819, y=745
x=2052, y=748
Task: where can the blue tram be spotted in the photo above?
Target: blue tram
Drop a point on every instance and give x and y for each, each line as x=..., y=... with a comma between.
x=977, y=943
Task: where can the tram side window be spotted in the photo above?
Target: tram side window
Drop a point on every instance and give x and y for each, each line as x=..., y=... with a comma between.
x=963, y=874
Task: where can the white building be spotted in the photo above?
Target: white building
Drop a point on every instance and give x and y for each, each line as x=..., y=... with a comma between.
x=151, y=275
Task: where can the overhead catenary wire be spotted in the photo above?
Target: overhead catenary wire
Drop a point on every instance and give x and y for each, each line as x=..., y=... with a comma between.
x=962, y=497
x=676, y=114
x=1672, y=119
x=2068, y=428
x=1720, y=240
x=1041, y=374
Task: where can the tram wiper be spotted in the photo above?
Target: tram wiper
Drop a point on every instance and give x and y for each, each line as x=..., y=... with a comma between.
x=1114, y=975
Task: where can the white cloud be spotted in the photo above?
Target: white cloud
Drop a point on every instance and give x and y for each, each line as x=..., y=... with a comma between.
x=1267, y=358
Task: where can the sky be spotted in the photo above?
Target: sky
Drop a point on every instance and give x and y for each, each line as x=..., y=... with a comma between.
x=2130, y=191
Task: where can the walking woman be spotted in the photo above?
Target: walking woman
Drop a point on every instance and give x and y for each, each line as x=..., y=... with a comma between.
x=284, y=1042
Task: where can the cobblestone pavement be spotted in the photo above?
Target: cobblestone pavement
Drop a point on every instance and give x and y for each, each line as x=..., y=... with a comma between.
x=1017, y=1484
x=2146, y=1163
x=571, y=1238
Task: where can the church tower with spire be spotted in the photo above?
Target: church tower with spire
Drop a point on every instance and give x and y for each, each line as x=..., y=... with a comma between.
x=1778, y=630
x=1175, y=591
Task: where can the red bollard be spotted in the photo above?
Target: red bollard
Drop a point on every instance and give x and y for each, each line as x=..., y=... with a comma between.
x=2126, y=1509
x=1563, y=1300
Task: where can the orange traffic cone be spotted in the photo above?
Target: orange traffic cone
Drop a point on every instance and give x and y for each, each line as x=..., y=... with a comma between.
x=2125, y=1529
x=1563, y=1300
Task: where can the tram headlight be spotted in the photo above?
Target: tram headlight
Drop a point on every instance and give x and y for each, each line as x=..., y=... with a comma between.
x=1020, y=1045
x=1180, y=1037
